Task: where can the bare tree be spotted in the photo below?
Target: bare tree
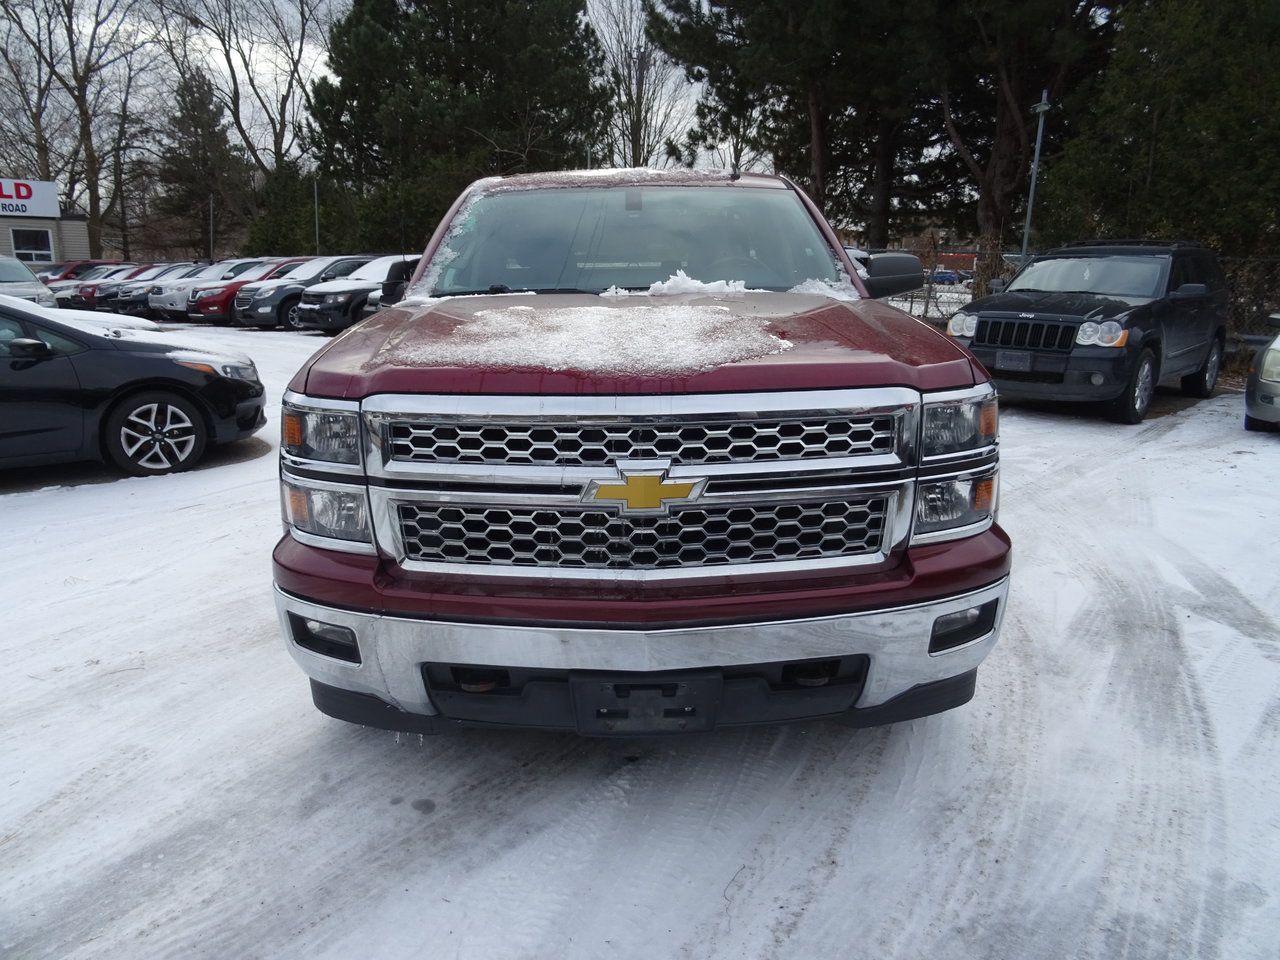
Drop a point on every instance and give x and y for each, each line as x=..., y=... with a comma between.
x=37, y=130
x=652, y=99
x=82, y=44
x=261, y=55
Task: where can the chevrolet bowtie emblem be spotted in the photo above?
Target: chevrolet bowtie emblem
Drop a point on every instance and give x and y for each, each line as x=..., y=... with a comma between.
x=643, y=490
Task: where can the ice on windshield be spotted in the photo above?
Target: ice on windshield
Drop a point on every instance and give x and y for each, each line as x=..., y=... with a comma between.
x=629, y=238
x=1110, y=275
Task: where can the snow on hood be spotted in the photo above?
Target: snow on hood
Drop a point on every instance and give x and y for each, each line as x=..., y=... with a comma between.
x=344, y=285
x=677, y=338
x=159, y=337
x=101, y=323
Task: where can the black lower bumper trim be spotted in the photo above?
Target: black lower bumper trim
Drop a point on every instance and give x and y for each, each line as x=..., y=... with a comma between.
x=371, y=711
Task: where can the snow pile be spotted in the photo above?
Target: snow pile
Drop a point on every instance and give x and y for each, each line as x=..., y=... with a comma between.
x=680, y=282
x=642, y=340
x=827, y=288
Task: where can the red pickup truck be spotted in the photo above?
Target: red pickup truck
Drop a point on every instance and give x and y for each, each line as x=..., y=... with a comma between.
x=640, y=453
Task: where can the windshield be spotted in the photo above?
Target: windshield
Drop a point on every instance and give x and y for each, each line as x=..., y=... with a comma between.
x=151, y=273
x=283, y=270
x=1115, y=276
x=259, y=269
x=591, y=239
x=95, y=273
x=15, y=271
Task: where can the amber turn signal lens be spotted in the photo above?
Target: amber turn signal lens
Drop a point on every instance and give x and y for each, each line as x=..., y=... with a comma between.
x=984, y=493
x=989, y=419
x=299, y=506
x=291, y=429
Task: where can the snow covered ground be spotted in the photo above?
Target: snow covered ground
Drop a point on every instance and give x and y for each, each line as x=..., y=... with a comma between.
x=167, y=789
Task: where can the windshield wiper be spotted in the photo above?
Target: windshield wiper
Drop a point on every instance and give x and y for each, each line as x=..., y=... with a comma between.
x=497, y=288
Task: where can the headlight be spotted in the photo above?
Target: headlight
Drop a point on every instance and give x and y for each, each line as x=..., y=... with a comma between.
x=962, y=324
x=313, y=433
x=327, y=510
x=1106, y=334
x=219, y=368
x=261, y=294
x=201, y=294
x=967, y=422
x=46, y=298
x=949, y=508
x=337, y=297
x=1271, y=364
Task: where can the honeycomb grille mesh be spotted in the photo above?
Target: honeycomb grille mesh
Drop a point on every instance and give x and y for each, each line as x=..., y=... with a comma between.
x=682, y=442
x=600, y=539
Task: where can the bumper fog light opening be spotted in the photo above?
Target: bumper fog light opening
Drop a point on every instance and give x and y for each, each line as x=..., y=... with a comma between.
x=326, y=639
x=952, y=630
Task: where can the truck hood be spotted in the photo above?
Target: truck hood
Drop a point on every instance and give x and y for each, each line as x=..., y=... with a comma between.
x=635, y=344
x=1094, y=306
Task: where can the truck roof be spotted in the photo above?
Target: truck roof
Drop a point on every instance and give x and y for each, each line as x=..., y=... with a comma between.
x=631, y=177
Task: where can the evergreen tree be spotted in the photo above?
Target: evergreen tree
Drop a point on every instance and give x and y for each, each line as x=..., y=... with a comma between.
x=1183, y=140
x=427, y=96
x=198, y=162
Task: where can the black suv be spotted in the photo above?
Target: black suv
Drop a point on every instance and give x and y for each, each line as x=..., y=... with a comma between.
x=1103, y=321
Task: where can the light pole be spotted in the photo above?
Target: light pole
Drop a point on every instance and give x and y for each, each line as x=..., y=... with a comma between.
x=1040, y=108
x=315, y=197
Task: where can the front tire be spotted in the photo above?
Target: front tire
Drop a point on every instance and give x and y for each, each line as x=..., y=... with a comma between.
x=1132, y=405
x=288, y=314
x=1201, y=383
x=154, y=433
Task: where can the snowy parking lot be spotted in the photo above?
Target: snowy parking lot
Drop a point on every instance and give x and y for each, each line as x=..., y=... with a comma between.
x=167, y=789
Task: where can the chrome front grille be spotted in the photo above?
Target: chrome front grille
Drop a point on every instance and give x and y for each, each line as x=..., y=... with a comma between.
x=243, y=300
x=801, y=437
x=641, y=487
x=603, y=540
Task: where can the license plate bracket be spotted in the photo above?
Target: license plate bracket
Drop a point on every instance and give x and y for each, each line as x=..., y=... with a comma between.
x=640, y=704
x=1015, y=360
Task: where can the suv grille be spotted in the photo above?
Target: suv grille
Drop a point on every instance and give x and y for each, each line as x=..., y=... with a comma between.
x=599, y=539
x=1026, y=334
x=243, y=300
x=682, y=442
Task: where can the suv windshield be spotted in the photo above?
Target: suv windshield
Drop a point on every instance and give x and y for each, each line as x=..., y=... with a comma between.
x=15, y=271
x=591, y=239
x=1115, y=276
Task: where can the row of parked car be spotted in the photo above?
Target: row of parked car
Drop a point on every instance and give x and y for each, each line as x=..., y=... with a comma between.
x=319, y=293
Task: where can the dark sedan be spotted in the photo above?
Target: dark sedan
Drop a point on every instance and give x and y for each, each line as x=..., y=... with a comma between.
x=72, y=391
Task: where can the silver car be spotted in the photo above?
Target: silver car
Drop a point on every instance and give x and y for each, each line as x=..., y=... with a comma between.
x=1262, y=394
x=17, y=280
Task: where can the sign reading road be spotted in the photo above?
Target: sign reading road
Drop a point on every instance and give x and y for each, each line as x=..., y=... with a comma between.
x=28, y=198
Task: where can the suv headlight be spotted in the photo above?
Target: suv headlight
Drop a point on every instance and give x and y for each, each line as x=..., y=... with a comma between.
x=1106, y=334
x=962, y=324
x=337, y=297
x=315, y=433
x=968, y=422
x=46, y=298
x=328, y=510
x=212, y=292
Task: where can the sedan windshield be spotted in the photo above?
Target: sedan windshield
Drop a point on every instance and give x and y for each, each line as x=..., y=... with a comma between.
x=15, y=271
x=591, y=239
x=1114, y=276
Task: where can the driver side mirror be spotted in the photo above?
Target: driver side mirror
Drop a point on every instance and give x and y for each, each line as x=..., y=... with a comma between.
x=1190, y=291
x=25, y=348
x=997, y=284
x=327, y=276
x=1274, y=320
x=892, y=273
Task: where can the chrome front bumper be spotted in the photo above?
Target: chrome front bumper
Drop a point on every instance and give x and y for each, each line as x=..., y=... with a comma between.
x=393, y=649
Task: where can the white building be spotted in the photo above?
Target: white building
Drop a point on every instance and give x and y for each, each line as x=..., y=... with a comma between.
x=33, y=228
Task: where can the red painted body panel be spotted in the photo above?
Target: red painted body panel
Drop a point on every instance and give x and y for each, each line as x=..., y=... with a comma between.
x=367, y=583
x=836, y=345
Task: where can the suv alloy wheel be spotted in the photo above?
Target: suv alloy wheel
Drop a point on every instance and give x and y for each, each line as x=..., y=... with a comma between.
x=1202, y=382
x=1132, y=405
